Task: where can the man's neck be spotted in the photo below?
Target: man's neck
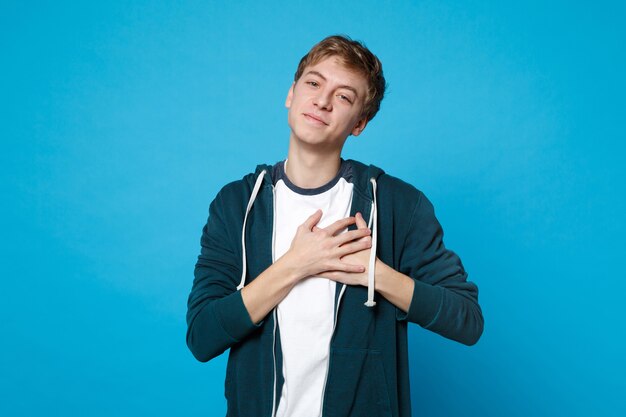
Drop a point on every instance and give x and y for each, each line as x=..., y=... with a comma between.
x=311, y=169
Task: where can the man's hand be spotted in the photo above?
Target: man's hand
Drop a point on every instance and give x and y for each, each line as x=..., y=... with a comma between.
x=396, y=287
x=314, y=250
x=361, y=257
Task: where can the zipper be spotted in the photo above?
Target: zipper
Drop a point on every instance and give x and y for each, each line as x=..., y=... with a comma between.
x=274, y=358
x=274, y=312
x=343, y=288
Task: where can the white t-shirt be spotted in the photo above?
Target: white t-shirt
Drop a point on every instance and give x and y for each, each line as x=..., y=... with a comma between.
x=306, y=315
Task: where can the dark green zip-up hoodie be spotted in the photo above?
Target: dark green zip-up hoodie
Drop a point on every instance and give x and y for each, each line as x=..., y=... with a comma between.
x=368, y=371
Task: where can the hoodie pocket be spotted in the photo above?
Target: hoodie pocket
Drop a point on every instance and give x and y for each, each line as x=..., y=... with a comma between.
x=356, y=385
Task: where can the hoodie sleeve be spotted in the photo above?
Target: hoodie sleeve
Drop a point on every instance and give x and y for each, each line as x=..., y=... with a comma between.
x=216, y=315
x=443, y=301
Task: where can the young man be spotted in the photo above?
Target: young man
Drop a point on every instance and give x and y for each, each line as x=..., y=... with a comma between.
x=310, y=269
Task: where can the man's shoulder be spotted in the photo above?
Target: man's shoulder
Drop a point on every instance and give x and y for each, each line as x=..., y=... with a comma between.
x=388, y=187
x=390, y=183
x=240, y=189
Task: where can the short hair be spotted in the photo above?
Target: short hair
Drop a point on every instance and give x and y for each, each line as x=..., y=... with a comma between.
x=354, y=55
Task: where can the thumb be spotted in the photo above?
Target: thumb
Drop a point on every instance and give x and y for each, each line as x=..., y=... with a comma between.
x=313, y=219
x=360, y=221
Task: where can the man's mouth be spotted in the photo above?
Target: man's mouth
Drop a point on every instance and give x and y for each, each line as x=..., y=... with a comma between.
x=315, y=118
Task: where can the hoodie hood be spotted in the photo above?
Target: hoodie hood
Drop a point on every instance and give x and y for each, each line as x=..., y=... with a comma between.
x=365, y=180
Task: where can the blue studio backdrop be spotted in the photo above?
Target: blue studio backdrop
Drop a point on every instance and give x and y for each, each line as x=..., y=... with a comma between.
x=121, y=120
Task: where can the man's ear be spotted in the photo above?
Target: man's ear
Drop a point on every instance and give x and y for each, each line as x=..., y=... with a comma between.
x=359, y=127
x=289, y=95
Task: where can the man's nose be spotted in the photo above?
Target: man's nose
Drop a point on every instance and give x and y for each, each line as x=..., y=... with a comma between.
x=323, y=100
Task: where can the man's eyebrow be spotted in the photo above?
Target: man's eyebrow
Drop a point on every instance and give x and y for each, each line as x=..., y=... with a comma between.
x=347, y=87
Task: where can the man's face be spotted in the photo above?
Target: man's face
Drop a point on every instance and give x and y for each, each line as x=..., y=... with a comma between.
x=325, y=105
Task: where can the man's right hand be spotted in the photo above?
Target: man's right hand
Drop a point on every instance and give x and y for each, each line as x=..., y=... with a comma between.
x=313, y=251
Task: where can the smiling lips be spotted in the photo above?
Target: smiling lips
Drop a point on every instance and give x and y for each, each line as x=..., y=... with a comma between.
x=315, y=118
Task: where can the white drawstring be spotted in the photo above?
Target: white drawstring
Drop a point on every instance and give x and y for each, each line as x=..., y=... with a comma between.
x=255, y=191
x=372, y=226
x=372, y=265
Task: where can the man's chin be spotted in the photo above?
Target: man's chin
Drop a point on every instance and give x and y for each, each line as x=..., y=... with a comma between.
x=316, y=143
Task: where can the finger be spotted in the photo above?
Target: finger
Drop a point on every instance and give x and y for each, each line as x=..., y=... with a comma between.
x=316, y=229
x=333, y=275
x=351, y=235
x=338, y=276
x=360, y=221
x=346, y=267
x=340, y=225
x=353, y=247
x=312, y=220
x=361, y=224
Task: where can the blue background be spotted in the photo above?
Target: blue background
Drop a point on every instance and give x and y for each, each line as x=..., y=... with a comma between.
x=120, y=121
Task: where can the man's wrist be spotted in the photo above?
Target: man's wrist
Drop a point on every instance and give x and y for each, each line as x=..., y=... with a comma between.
x=396, y=287
x=290, y=270
x=382, y=273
